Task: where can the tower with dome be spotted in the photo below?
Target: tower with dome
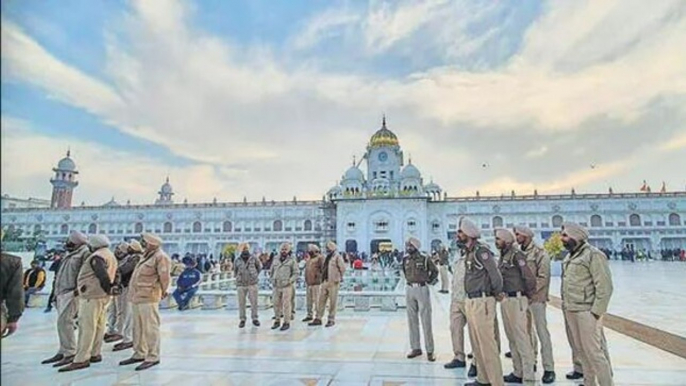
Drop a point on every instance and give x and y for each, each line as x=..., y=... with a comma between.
x=63, y=183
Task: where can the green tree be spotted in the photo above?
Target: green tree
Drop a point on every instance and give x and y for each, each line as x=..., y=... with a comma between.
x=554, y=246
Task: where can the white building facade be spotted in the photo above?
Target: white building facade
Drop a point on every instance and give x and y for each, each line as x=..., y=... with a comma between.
x=389, y=203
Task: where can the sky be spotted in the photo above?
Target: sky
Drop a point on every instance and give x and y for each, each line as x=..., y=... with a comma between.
x=273, y=99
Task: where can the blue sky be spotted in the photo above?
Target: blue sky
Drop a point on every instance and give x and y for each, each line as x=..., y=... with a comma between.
x=235, y=98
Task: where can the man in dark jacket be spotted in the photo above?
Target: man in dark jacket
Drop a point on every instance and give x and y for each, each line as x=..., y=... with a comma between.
x=34, y=281
x=125, y=271
x=187, y=284
x=11, y=294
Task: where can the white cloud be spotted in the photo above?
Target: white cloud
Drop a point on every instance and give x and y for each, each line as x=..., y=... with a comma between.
x=537, y=153
x=323, y=26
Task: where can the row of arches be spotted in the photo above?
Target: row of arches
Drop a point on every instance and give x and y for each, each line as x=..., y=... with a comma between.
x=196, y=227
x=596, y=220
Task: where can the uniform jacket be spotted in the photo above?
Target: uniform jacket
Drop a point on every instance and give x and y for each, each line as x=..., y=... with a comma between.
x=419, y=268
x=34, y=278
x=517, y=276
x=65, y=279
x=88, y=283
x=539, y=263
x=151, y=278
x=247, y=272
x=283, y=273
x=11, y=288
x=313, y=269
x=335, y=269
x=586, y=280
x=482, y=274
x=126, y=267
x=458, y=294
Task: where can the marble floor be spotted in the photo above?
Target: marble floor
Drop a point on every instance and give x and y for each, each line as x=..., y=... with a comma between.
x=364, y=348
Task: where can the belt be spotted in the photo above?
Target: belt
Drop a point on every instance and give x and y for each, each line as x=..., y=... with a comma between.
x=478, y=294
x=416, y=284
x=514, y=294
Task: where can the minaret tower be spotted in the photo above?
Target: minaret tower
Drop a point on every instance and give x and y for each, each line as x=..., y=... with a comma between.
x=63, y=183
x=165, y=194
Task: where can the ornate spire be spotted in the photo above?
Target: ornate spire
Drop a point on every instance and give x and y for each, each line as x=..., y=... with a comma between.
x=383, y=121
x=354, y=161
x=68, y=151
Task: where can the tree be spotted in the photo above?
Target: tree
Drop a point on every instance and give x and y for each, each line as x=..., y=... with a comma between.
x=229, y=250
x=554, y=246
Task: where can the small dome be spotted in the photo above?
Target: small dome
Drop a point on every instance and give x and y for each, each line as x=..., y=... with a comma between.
x=432, y=187
x=383, y=137
x=66, y=163
x=354, y=173
x=410, y=171
x=334, y=191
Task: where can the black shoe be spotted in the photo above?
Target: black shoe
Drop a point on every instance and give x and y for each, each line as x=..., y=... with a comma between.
x=65, y=361
x=307, y=319
x=276, y=325
x=455, y=363
x=255, y=322
x=476, y=383
x=53, y=359
x=285, y=327
x=472, y=371
x=130, y=361
x=574, y=375
x=508, y=354
x=512, y=379
x=315, y=322
x=330, y=323
x=470, y=356
x=47, y=310
x=431, y=357
x=548, y=377
x=414, y=354
x=147, y=365
x=241, y=324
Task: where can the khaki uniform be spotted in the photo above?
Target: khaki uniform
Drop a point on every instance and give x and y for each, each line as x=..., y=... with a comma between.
x=586, y=292
x=93, y=301
x=419, y=271
x=539, y=263
x=443, y=269
x=247, y=274
x=124, y=305
x=482, y=282
x=313, y=279
x=283, y=275
x=150, y=280
x=518, y=284
x=332, y=275
x=458, y=315
x=66, y=303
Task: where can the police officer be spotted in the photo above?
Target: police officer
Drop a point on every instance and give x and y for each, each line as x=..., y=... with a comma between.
x=420, y=271
x=539, y=263
x=67, y=304
x=518, y=284
x=586, y=292
x=94, y=289
x=247, y=269
x=443, y=268
x=148, y=286
x=11, y=294
x=482, y=282
x=313, y=279
x=283, y=273
x=114, y=312
x=134, y=253
x=458, y=317
x=333, y=269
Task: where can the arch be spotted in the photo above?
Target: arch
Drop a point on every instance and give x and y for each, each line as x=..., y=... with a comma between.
x=64, y=229
x=197, y=227
x=497, y=222
x=92, y=229
x=138, y=227
x=167, y=227
x=674, y=219
x=37, y=228
x=634, y=220
x=596, y=221
x=351, y=245
x=227, y=226
x=557, y=221
x=277, y=226
x=308, y=225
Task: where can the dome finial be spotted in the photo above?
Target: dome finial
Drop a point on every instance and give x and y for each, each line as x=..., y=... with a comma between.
x=68, y=151
x=354, y=160
x=383, y=121
x=409, y=159
x=167, y=180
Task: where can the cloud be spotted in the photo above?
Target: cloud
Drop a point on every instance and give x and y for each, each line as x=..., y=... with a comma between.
x=323, y=26
x=675, y=143
x=537, y=153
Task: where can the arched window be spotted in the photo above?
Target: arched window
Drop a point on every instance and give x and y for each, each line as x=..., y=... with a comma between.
x=64, y=229
x=277, y=226
x=138, y=227
x=557, y=221
x=37, y=228
x=168, y=227
x=227, y=226
x=596, y=221
x=197, y=227
x=635, y=220
x=497, y=222
x=674, y=219
x=92, y=229
x=308, y=225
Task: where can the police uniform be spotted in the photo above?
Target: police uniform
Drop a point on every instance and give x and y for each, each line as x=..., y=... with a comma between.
x=586, y=292
x=115, y=312
x=420, y=271
x=283, y=274
x=482, y=282
x=126, y=267
x=443, y=263
x=518, y=284
x=458, y=316
x=149, y=284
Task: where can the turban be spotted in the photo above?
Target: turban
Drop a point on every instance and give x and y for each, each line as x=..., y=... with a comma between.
x=136, y=246
x=77, y=238
x=505, y=234
x=151, y=239
x=469, y=228
x=123, y=247
x=287, y=246
x=414, y=242
x=575, y=231
x=524, y=230
x=242, y=247
x=331, y=246
x=98, y=241
x=312, y=248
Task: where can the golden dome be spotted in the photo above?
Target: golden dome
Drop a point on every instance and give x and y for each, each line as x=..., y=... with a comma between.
x=383, y=137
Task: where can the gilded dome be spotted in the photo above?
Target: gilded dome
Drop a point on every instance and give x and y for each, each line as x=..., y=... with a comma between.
x=383, y=137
